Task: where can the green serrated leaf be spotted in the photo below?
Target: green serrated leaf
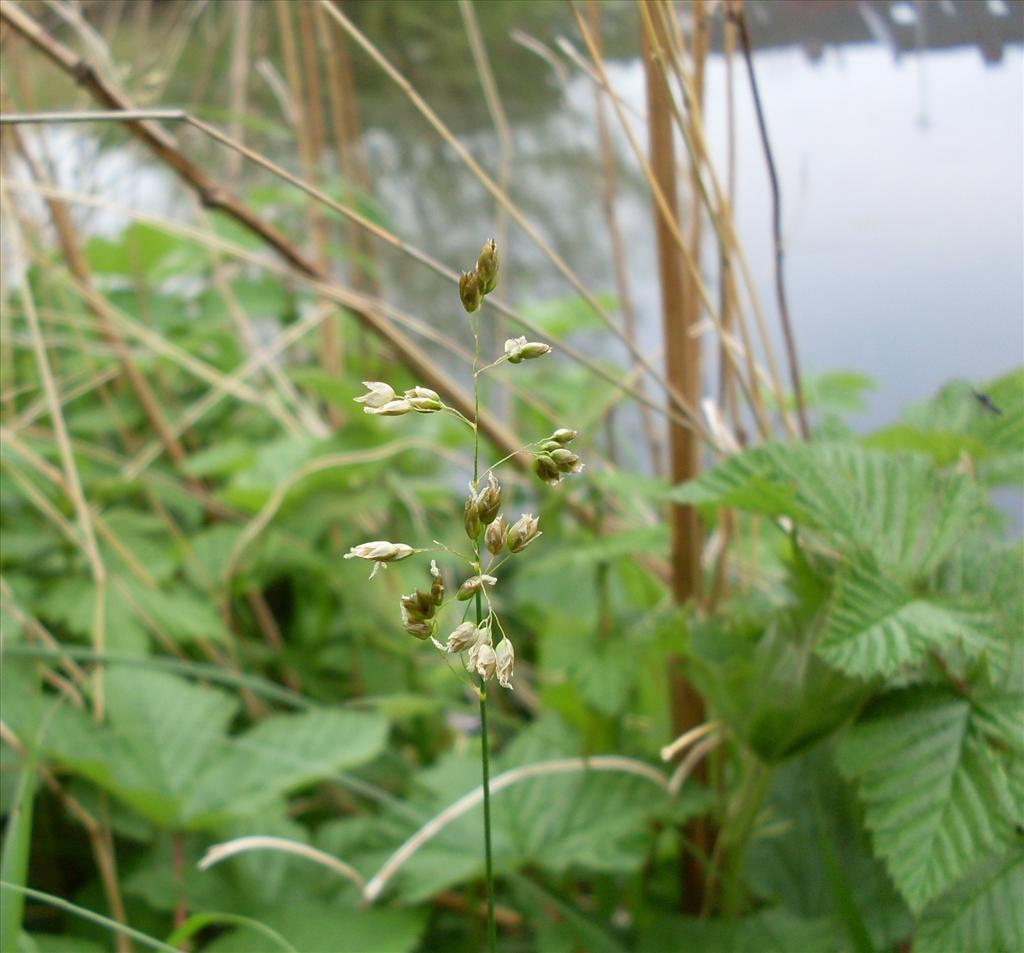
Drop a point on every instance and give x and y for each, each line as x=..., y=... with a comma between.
x=936, y=796
x=876, y=627
x=769, y=687
x=897, y=508
x=983, y=912
x=814, y=858
x=277, y=755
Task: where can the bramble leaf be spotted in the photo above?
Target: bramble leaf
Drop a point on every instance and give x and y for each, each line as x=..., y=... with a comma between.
x=875, y=626
x=936, y=795
x=984, y=912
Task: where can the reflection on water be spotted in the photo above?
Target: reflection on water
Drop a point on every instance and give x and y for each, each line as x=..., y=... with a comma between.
x=901, y=169
x=897, y=129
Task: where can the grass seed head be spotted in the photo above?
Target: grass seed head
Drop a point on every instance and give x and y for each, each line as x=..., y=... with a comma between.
x=487, y=266
x=469, y=291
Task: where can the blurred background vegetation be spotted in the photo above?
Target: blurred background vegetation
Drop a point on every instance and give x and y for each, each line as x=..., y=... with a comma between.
x=190, y=302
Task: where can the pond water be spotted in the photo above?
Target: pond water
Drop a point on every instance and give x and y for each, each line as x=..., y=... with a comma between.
x=901, y=175
x=898, y=132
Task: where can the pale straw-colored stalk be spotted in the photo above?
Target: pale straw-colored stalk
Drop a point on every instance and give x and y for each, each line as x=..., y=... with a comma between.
x=241, y=845
x=72, y=481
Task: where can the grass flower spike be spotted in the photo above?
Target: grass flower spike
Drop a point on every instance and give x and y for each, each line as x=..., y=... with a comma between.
x=381, y=552
x=473, y=585
x=469, y=291
x=393, y=408
x=518, y=350
x=486, y=661
x=378, y=394
x=546, y=468
x=487, y=266
x=483, y=523
x=505, y=658
x=424, y=400
x=464, y=637
x=522, y=532
x=494, y=535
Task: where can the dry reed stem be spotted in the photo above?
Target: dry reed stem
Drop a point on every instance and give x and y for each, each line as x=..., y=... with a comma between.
x=238, y=75
x=69, y=393
x=436, y=824
x=178, y=355
x=72, y=481
x=303, y=416
x=71, y=250
x=199, y=408
x=65, y=234
x=303, y=85
x=540, y=49
x=727, y=385
x=618, y=249
x=692, y=760
x=217, y=853
x=34, y=628
x=56, y=478
x=216, y=33
x=109, y=458
x=689, y=737
x=180, y=33
x=500, y=121
x=680, y=301
x=277, y=498
x=721, y=216
x=351, y=158
x=45, y=507
x=664, y=205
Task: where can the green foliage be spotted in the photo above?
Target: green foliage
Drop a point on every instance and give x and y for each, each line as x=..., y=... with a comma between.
x=955, y=422
x=326, y=927
x=767, y=931
x=875, y=626
x=934, y=787
x=983, y=912
x=893, y=579
x=16, y=851
x=593, y=820
x=866, y=660
x=165, y=751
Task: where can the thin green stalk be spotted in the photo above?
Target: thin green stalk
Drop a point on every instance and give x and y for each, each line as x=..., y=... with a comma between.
x=492, y=935
x=476, y=409
x=752, y=794
x=61, y=904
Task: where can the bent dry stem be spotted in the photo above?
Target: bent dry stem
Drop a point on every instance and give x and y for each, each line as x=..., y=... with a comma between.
x=482, y=521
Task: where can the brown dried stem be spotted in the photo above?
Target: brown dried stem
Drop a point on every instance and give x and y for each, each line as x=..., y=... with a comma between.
x=736, y=13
